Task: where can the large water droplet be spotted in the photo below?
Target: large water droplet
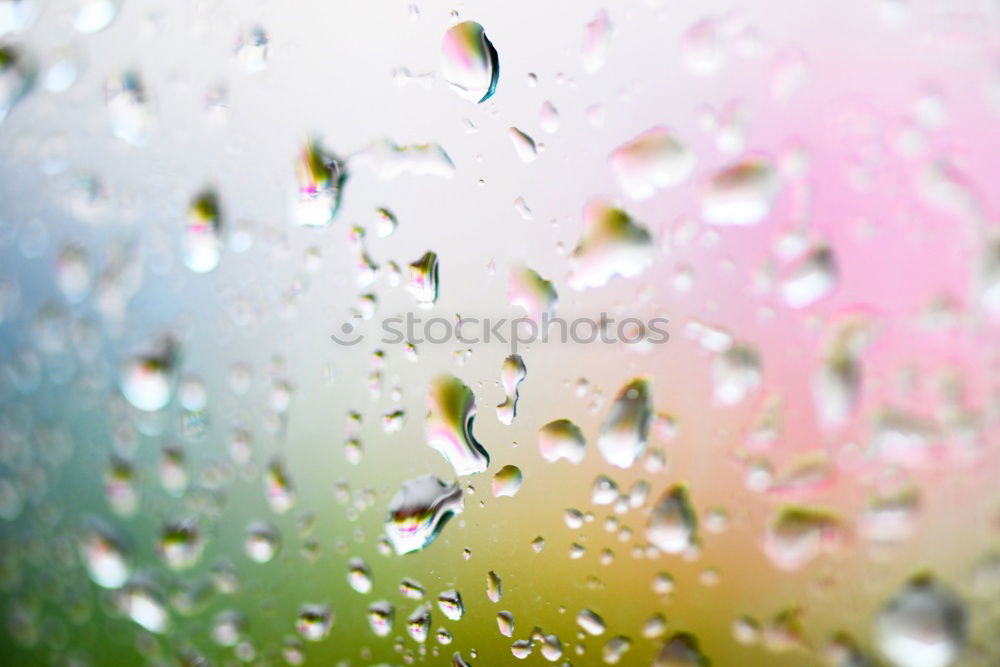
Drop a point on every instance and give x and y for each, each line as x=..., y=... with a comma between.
x=672, y=525
x=625, y=432
x=922, y=625
x=654, y=160
x=612, y=245
x=741, y=194
x=381, y=616
x=418, y=624
x=561, y=439
x=507, y=481
x=419, y=510
x=469, y=62
x=452, y=409
x=450, y=604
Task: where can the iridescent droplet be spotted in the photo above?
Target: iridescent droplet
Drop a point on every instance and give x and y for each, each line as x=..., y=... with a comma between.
x=262, y=542
x=512, y=374
x=423, y=280
x=450, y=604
x=419, y=510
x=528, y=290
x=202, y=244
x=418, y=624
x=507, y=481
x=314, y=621
x=381, y=615
x=494, y=590
x=321, y=178
x=451, y=412
x=524, y=145
x=470, y=64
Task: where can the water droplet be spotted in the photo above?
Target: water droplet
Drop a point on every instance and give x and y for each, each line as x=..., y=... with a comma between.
x=359, y=577
x=74, y=272
x=812, y=280
x=549, y=118
x=505, y=623
x=524, y=145
x=148, y=379
x=604, y=491
x=129, y=108
x=507, y=481
x=452, y=410
x=390, y=161
x=672, y=525
x=17, y=15
x=741, y=194
x=314, y=621
x=15, y=79
x=655, y=626
x=597, y=35
x=262, y=542
x=181, y=544
x=534, y=294
x=625, y=432
x=278, y=485
x=95, y=15
x=102, y=555
x=654, y=160
x=493, y=588
x=418, y=512
x=380, y=618
x=922, y=625
x=561, y=439
x=552, y=648
x=418, y=625
x=591, y=622
x=321, y=177
x=703, y=48
x=612, y=245
x=450, y=604
x=140, y=602
x=251, y=48
x=202, y=245
x=411, y=589
x=512, y=374
x=423, y=280
x=469, y=62
x=615, y=649
x=228, y=628
x=521, y=649
x=797, y=535
x=385, y=222
x=735, y=373
x=681, y=650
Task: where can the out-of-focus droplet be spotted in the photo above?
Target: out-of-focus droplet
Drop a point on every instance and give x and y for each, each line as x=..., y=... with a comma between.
x=735, y=373
x=381, y=616
x=418, y=624
x=262, y=542
x=451, y=412
x=17, y=15
x=469, y=63
x=812, y=280
x=15, y=79
x=129, y=108
x=922, y=625
x=228, y=627
x=681, y=650
x=450, y=604
x=591, y=622
x=597, y=35
x=655, y=626
x=359, y=576
x=419, y=510
x=703, y=47
x=507, y=481
x=604, y=491
x=625, y=432
x=612, y=244
x=615, y=649
x=549, y=118
x=102, y=555
x=390, y=161
x=528, y=290
x=314, y=621
x=423, y=280
x=494, y=590
x=148, y=380
x=321, y=178
x=524, y=145
x=561, y=439
x=837, y=383
x=202, y=242
x=512, y=374
x=654, y=160
x=181, y=544
x=74, y=273
x=94, y=15
x=278, y=486
x=741, y=194
x=251, y=48
x=797, y=535
x=144, y=605
x=672, y=526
